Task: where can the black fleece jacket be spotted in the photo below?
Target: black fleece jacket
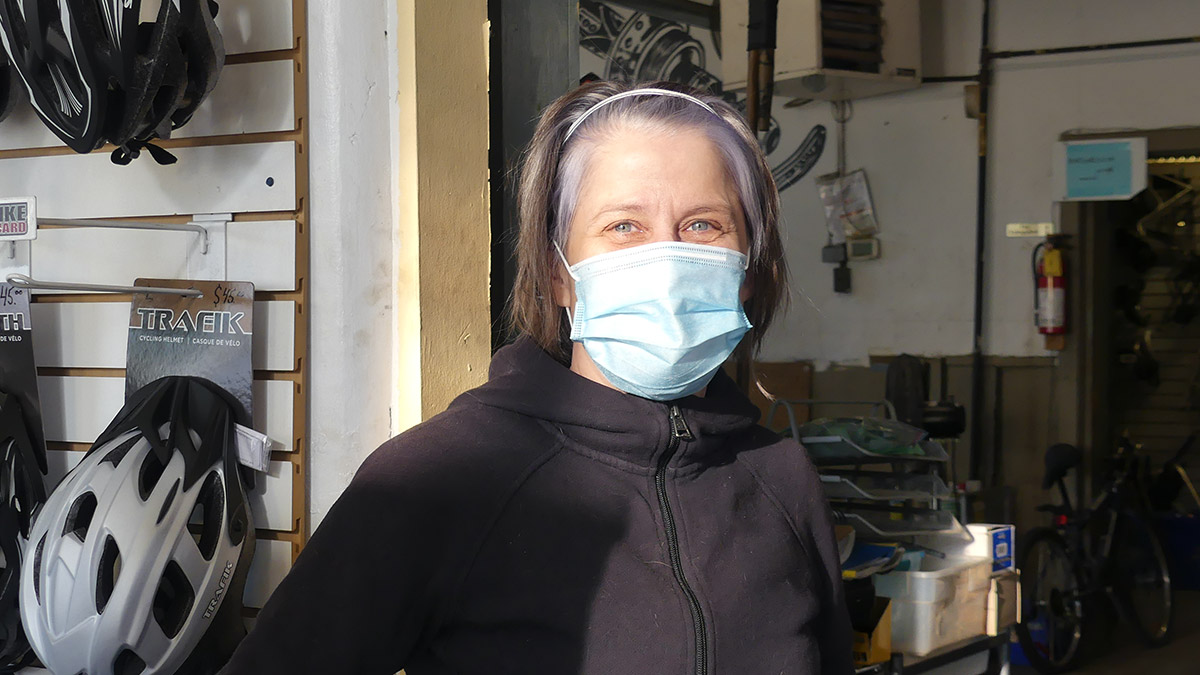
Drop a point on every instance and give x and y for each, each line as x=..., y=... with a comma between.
x=547, y=524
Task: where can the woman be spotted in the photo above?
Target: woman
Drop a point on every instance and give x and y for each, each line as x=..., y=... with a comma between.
x=605, y=503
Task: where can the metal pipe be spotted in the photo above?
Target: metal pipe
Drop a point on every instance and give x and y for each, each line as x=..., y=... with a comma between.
x=985, y=78
x=1012, y=54
x=1049, y=51
x=950, y=78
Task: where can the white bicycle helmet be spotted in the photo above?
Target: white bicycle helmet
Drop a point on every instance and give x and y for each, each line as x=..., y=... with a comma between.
x=116, y=582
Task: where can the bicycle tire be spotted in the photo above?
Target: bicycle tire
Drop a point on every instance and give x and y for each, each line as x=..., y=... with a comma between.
x=1054, y=615
x=1142, y=581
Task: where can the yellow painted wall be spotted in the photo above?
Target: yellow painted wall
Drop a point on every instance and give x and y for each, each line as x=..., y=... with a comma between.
x=443, y=244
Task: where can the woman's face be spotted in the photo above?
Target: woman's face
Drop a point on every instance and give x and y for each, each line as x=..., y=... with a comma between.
x=643, y=187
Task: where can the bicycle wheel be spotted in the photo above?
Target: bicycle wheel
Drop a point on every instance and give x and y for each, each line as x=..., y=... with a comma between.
x=1142, y=581
x=1052, y=604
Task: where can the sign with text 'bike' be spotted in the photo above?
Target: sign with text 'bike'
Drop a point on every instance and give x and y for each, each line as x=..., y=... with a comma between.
x=18, y=218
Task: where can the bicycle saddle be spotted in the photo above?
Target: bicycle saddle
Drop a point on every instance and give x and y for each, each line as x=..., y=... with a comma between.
x=1060, y=458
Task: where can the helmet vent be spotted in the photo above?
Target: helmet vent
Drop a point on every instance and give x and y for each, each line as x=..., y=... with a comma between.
x=118, y=453
x=79, y=518
x=37, y=569
x=207, y=515
x=128, y=663
x=174, y=599
x=152, y=470
x=107, y=575
x=162, y=513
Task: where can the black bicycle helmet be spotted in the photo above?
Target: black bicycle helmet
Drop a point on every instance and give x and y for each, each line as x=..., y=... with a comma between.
x=22, y=492
x=138, y=560
x=10, y=87
x=96, y=74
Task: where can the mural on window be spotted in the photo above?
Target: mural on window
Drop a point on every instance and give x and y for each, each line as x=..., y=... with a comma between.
x=621, y=44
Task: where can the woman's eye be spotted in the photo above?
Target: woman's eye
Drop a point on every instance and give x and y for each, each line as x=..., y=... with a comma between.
x=623, y=228
x=701, y=226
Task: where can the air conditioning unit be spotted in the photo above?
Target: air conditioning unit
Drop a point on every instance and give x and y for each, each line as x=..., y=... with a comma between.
x=831, y=50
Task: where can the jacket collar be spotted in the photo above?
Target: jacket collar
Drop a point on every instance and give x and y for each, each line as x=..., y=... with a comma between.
x=525, y=379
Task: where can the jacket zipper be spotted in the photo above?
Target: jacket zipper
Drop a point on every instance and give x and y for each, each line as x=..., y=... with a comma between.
x=680, y=432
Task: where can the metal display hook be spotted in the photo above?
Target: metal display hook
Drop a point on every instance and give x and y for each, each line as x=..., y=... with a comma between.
x=28, y=283
x=133, y=225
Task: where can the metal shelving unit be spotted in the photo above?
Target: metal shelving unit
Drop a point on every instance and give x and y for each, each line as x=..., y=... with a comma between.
x=996, y=649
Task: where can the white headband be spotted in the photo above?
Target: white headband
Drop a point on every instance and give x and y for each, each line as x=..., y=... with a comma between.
x=636, y=92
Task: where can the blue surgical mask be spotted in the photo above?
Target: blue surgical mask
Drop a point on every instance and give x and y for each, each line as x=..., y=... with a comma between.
x=659, y=319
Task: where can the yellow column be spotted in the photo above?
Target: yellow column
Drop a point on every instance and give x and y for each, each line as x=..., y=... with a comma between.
x=444, y=239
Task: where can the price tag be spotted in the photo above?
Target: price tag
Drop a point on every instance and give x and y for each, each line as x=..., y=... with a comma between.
x=254, y=449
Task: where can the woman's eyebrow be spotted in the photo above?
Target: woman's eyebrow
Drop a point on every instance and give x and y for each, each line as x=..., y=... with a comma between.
x=721, y=208
x=626, y=207
x=637, y=207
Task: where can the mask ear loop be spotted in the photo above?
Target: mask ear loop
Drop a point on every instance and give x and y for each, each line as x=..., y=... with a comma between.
x=567, y=266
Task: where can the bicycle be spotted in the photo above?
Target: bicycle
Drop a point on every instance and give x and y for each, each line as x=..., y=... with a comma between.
x=1107, y=554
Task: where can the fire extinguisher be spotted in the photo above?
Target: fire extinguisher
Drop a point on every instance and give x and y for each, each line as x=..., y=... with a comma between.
x=1050, y=299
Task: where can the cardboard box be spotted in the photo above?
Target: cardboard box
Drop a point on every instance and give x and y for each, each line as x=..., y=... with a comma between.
x=1004, y=602
x=875, y=646
x=997, y=542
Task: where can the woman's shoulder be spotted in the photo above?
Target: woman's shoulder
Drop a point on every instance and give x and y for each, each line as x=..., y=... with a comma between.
x=778, y=461
x=467, y=440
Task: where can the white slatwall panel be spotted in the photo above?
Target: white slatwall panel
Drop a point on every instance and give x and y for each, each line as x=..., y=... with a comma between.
x=272, y=561
x=77, y=409
x=110, y=256
x=274, y=336
x=255, y=25
x=58, y=463
x=217, y=179
x=249, y=98
x=80, y=335
x=262, y=252
x=94, y=335
x=271, y=499
x=274, y=408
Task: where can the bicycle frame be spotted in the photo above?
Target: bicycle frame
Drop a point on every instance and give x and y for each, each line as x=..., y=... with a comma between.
x=1091, y=552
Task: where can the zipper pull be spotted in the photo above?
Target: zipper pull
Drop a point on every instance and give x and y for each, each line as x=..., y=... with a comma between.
x=679, y=427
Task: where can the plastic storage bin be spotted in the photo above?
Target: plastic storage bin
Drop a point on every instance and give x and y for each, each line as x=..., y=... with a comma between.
x=943, y=602
x=1180, y=536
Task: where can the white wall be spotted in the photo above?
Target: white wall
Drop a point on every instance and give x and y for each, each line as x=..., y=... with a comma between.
x=919, y=151
x=1039, y=98
x=352, y=92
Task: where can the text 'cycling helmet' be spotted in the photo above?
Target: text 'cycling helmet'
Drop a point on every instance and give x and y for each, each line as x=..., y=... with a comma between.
x=96, y=72
x=22, y=491
x=116, y=582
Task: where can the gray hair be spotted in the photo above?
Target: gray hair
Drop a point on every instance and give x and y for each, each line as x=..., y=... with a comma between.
x=663, y=114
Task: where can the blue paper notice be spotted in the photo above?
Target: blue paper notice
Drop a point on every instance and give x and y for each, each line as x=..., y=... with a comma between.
x=1099, y=170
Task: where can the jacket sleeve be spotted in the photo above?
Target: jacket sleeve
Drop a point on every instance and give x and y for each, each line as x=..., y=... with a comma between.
x=788, y=472
x=838, y=637
x=360, y=593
